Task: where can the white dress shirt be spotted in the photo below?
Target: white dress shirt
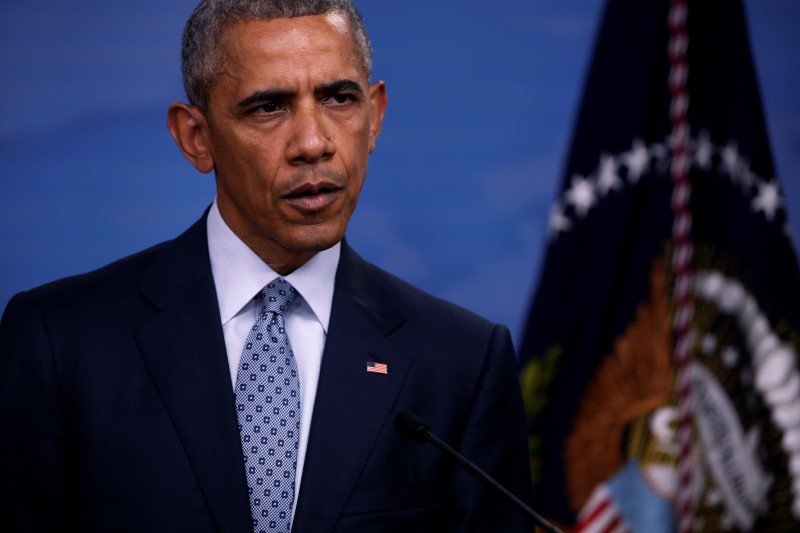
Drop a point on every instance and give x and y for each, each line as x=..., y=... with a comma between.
x=239, y=275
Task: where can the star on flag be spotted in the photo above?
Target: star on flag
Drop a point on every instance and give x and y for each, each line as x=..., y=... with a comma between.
x=607, y=178
x=768, y=199
x=558, y=220
x=637, y=160
x=581, y=195
x=703, y=151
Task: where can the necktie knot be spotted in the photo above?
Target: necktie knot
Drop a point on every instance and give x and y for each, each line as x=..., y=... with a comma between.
x=277, y=296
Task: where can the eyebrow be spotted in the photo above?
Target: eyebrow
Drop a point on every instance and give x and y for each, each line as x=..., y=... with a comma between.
x=339, y=86
x=271, y=95
x=266, y=95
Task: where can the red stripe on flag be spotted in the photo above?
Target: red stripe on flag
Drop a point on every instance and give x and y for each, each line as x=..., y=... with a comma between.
x=599, y=508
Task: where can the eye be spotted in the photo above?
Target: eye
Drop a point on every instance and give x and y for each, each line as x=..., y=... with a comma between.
x=340, y=99
x=267, y=108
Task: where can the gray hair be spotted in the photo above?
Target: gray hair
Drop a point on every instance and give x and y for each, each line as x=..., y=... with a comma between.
x=201, y=53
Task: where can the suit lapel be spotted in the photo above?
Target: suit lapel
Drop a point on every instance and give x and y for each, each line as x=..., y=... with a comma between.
x=352, y=405
x=184, y=350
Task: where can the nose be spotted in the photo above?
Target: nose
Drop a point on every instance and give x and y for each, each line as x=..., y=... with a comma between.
x=311, y=139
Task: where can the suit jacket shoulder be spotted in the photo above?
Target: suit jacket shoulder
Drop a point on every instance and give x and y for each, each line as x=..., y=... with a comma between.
x=115, y=394
x=375, y=289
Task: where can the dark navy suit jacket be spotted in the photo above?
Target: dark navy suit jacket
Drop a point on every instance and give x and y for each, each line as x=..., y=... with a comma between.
x=116, y=408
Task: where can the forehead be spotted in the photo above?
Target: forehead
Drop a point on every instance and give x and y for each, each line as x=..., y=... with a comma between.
x=290, y=50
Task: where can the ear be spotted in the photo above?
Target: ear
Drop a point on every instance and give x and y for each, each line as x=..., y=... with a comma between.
x=377, y=96
x=189, y=128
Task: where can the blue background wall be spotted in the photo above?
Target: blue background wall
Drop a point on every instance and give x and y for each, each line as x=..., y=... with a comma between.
x=479, y=121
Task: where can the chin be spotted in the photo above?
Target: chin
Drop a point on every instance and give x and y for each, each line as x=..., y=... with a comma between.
x=318, y=238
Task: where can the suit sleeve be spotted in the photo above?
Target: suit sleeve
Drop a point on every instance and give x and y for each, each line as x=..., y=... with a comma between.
x=32, y=458
x=494, y=439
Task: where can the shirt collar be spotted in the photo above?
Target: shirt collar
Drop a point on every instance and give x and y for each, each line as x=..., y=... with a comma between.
x=239, y=274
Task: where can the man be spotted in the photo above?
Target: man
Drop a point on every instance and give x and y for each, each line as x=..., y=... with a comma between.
x=245, y=376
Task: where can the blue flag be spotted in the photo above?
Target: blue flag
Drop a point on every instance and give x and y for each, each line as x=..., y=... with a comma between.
x=660, y=360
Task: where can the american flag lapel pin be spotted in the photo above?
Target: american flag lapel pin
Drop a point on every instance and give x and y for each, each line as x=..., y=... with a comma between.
x=377, y=368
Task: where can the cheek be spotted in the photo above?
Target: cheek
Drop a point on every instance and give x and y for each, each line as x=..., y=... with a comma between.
x=249, y=186
x=357, y=155
x=256, y=170
x=358, y=184
x=245, y=150
x=354, y=192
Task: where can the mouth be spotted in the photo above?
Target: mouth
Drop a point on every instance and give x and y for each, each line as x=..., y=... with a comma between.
x=313, y=196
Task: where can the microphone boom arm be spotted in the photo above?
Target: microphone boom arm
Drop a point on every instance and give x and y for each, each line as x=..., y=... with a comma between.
x=411, y=426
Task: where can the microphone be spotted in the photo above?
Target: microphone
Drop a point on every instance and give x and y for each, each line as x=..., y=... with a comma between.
x=414, y=428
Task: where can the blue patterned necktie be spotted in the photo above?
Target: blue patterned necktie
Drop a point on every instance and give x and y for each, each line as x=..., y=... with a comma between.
x=267, y=397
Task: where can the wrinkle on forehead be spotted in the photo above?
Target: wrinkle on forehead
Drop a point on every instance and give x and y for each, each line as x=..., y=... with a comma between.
x=279, y=48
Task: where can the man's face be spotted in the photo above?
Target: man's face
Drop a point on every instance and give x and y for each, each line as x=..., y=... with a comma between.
x=291, y=121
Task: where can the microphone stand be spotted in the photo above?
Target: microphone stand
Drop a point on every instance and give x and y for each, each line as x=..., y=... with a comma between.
x=412, y=427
